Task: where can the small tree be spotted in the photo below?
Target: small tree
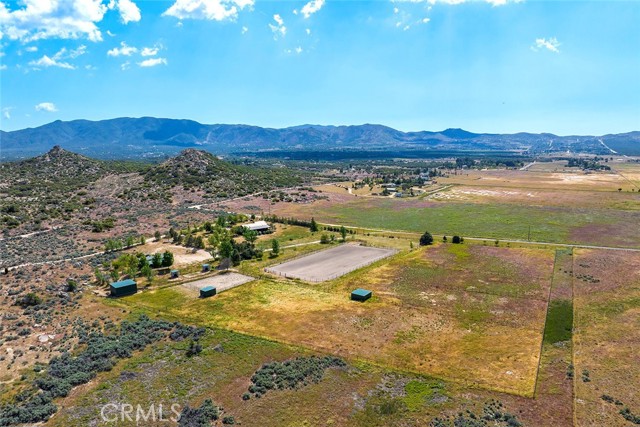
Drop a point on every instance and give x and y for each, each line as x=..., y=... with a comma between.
x=100, y=277
x=156, y=262
x=444, y=239
x=275, y=247
x=143, y=240
x=324, y=239
x=313, y=226
x=250, y=236
x=147, y=272
x=157, y=236
x=456, y=239
x=226, y=248
x=343, y=233
x=167, y=259
x=426, y=239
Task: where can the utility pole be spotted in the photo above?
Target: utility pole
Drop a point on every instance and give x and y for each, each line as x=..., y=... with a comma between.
x=529, y=234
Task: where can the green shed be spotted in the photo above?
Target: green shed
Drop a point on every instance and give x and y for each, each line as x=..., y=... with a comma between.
x=175, y=274
x=205, y=268
x=123, y=287
x=207, y=291
x=361, y=295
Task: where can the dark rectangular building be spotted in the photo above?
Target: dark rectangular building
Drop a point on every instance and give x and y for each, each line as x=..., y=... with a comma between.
x=123, y=287
x=361, y=295
x=207, y=291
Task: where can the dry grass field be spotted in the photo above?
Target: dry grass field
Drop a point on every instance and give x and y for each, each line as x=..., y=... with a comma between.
x=431, y=313
x=606, y=337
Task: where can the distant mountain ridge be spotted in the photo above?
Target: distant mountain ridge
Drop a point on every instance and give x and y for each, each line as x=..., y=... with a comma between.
x=149, y=137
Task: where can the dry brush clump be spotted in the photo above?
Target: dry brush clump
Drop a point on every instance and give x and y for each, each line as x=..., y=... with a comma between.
x=99, y=351
x=291, y=374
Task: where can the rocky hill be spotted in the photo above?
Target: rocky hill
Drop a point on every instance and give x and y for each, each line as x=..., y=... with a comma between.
x=198, y=169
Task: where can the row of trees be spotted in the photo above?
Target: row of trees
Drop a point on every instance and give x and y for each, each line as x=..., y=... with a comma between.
x=427, y=239
x=112, y=245
x=134, y=265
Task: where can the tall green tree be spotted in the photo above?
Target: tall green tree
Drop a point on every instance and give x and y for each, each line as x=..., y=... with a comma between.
x=313, y=226
x=156, y=262
x=343, y=233
x=275, y=247
x=226, y=249
x=167, y=259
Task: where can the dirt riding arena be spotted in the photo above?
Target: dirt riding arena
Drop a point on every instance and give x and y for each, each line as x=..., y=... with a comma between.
x=331, y=263
x=222, y=282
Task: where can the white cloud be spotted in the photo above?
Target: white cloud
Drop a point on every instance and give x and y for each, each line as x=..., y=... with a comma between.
x=152, y=62
x=454, y=2
x=42, y=19
x=308, y=31
x=551, y=44
x=58, y=60
x=279, y=29
x=31, y=48
x=63, y=53
x=215, y=10
x=150, y=51
x=6, y=112
x=3, y=67
x=46, y=106
x=244, y=30
x=312, y=7
x=123, y=50
x=129, y=11
x=125, y=65
x=47, y=62
x=298, y=50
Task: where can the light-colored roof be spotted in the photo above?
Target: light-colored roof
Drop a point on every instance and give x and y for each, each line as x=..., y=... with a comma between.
x=258, y=225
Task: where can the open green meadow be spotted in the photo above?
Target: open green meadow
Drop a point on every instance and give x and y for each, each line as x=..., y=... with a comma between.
x=573, y=225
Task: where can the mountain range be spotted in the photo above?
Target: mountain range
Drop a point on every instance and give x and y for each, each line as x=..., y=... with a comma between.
x=150, y=137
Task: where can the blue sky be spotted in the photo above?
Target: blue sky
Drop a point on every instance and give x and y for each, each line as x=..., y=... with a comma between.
x=567, y=67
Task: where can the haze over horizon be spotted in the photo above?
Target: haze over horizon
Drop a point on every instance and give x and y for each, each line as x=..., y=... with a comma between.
x=494, y=66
